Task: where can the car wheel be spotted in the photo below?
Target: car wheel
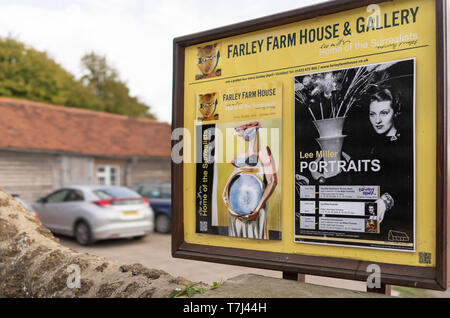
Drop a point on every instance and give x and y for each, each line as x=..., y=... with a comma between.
x=83, y=233
x=162, y=224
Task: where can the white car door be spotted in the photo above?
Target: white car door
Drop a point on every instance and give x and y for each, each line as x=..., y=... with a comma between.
x=49, y=209
x=69, y=211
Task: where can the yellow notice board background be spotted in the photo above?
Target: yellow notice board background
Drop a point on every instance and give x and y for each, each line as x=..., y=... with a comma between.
x=406, y=29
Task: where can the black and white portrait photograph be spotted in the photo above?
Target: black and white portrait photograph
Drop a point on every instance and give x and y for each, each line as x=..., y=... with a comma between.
x=354, y=154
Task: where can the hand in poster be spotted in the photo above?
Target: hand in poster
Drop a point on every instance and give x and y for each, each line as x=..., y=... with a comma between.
x=381, y=209
x=385, y=203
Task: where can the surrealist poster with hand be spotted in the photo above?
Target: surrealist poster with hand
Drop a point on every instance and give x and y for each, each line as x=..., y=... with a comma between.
x=238, y=139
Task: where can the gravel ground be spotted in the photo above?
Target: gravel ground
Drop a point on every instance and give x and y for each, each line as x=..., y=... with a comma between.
x=154, y=251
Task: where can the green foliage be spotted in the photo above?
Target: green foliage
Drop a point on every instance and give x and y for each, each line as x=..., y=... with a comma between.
x=104, y=82
x=215, y=285
x=189, y=290
x=30, y=74
x=409, y=292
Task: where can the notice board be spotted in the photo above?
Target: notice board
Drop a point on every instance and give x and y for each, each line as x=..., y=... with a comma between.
x=314, y=141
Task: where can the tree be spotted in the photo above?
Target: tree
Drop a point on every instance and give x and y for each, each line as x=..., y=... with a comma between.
x=105, y=83
x=30, y=74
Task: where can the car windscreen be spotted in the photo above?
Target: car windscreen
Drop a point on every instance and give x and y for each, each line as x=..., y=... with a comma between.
x=165, y=192
x=155, y=191
x=119, y=196
x=116, y=193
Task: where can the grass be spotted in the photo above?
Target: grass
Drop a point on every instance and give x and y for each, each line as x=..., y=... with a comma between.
x=409, y=292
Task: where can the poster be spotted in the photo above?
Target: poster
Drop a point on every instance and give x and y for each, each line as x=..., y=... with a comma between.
x=237, y=140
x=355, y=156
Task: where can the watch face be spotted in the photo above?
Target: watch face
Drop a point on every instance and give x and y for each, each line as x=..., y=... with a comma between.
x=245, y=193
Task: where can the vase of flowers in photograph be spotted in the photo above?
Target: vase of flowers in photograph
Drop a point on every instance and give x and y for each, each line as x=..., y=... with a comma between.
x=330, y=127
x=330, y=141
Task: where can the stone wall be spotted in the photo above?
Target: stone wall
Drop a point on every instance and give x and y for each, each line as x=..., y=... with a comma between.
x=34, y=264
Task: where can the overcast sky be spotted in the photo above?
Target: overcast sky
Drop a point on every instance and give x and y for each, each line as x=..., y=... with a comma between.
x=135, y=35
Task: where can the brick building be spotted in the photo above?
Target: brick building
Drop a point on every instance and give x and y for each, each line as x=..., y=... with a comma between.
x=44, y=147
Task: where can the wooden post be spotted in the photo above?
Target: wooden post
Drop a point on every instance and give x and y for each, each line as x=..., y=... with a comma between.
x=294, y=276
x=384, y=289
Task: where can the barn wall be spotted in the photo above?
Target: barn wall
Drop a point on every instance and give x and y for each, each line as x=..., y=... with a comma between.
x=34, y=175
x=149, y=170
x=77, y=170
x=31, y=175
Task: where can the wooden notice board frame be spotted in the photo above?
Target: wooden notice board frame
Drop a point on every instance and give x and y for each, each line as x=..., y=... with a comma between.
x=414, y=276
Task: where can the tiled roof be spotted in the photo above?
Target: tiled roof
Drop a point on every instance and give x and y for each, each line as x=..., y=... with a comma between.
x=37, y=126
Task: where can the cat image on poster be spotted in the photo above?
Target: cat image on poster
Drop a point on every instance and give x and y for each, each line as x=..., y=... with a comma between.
x=207, y=61
x=249, y=186
x=207, y=106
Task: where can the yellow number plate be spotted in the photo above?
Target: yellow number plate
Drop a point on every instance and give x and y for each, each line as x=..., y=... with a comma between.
x=130, y=212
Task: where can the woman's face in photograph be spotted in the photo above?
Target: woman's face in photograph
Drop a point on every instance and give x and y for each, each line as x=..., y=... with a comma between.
x=381, y=115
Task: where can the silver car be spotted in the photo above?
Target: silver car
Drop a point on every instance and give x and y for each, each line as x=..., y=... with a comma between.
x=91, y=213
x=24, y=203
